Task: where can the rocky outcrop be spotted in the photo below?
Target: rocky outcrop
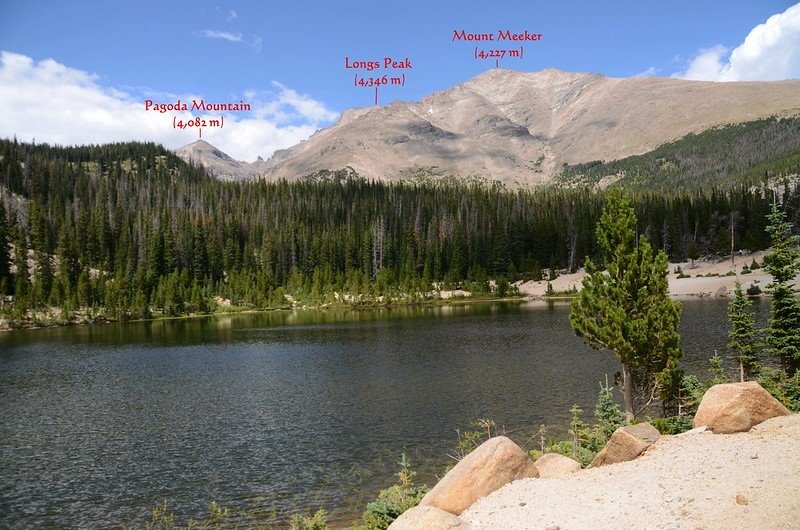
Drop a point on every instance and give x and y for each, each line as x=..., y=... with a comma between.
x=626, y=443
x=742, y=480
x=736, y=407
x=554, y=465
x=492, y=465
x=427, y=518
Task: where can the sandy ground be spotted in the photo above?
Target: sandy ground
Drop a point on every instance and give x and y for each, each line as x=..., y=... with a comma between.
x=680, y=287
x=700, y=481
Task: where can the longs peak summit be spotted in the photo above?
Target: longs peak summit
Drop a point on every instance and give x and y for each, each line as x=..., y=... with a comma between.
x=519, y=128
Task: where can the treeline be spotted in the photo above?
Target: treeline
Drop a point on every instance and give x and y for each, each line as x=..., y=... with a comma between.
x=751, y=152
x=130, y=229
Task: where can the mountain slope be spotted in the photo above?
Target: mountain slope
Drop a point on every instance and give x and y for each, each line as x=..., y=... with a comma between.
x=747, y=152
x=520, y=128
x=218, y=163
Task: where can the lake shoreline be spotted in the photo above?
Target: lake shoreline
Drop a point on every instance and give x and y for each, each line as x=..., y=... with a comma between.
x=701, y=279
x=449, y=301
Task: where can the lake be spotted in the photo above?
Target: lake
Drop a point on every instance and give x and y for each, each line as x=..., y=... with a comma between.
x=282, y=411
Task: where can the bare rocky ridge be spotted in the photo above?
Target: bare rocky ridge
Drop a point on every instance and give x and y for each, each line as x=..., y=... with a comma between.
x=519, y=128
x=218, y=163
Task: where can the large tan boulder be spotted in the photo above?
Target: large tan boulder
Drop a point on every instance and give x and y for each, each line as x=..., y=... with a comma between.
x=626, y=443
x=736, y=407
x=427, y=518
x=489, y=467
x=554, y=465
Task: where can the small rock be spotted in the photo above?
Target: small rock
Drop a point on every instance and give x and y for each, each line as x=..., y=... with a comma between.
x=554, y=465
x=741, y=499
x=427, y=518
x=626, y=443
x=696, y=430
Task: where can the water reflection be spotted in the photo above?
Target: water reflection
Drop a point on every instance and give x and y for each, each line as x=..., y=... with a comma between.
x=285, y=409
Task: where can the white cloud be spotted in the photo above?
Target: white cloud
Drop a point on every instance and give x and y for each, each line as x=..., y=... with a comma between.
x=770, y=52
x=231, y=15
x=650, y=72
x=50, y=102
x=254, y=42
x=224, y=35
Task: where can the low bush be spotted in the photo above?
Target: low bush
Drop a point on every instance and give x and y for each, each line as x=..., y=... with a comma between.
x=393, y=501
x=753, y=290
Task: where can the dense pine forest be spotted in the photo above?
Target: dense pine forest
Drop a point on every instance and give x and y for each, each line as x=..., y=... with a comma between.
x=131, y=231
x=751, y=152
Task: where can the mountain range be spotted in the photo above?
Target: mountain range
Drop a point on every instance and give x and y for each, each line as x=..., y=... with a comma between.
x=514, y=127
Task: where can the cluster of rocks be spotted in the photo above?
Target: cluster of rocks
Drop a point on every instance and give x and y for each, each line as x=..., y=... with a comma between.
x=724, y=409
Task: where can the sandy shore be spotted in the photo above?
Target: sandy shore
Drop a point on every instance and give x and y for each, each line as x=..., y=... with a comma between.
x=701, y=481
x=698, y=284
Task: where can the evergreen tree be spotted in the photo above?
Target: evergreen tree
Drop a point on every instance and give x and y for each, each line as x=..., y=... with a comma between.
x=607, y=413
x=22, y=281
x=783, y=263
x=5, y=254
x=742, y=336
x=627, y=310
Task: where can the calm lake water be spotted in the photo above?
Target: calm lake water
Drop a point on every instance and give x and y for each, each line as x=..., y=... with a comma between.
x=284, y=411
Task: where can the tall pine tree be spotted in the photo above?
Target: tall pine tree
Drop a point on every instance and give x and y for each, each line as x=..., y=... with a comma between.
x=5, y=254
x=742, y=336
x=627, y=310
x=783, y=263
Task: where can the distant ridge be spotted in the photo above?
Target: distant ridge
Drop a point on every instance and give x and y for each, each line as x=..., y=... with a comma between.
x=218, y=163
x=521, y=128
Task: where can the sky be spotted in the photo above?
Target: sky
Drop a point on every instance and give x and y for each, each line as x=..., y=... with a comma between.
x=81, y=72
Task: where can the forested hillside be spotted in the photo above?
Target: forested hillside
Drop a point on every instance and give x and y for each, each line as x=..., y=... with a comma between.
x=749, y=153
x=130, y=230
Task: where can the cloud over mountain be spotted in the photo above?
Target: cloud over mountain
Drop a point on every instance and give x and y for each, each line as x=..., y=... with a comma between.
x=770, y=52
x=51, y=102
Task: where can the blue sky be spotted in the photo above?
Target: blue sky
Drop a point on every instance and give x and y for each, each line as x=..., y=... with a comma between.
x=98, y=60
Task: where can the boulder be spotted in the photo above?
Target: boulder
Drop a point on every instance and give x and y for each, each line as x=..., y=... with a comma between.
x=554, y=465
x=489, y=467
x=736, y=407
x=626, y=443
x=427, y=518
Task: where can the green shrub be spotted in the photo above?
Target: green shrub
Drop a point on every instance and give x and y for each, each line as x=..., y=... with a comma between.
x=395, y=500
x=579, y=453
x=753, y=290
x=607, y=413
x=314, y=522
x=502, y=287
x=785, y=389
x=672, y=424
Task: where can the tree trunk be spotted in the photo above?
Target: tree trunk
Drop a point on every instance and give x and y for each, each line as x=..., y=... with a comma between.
x=627, y=392
x=741, y=371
